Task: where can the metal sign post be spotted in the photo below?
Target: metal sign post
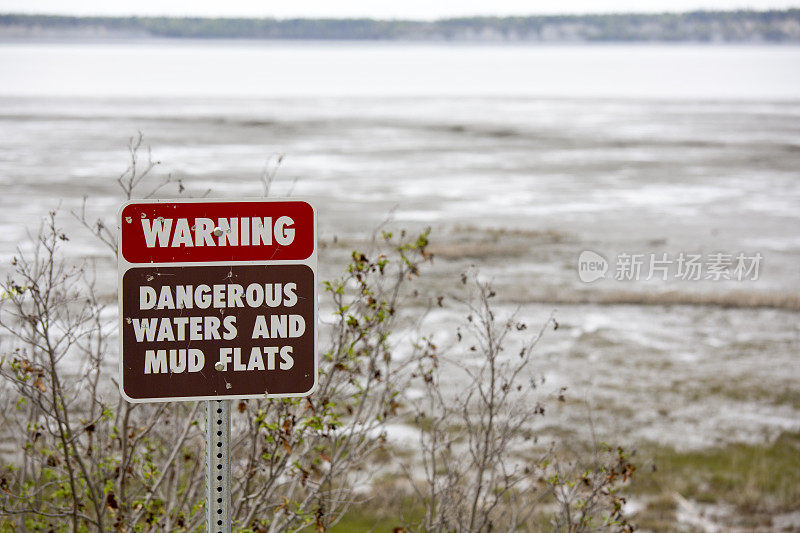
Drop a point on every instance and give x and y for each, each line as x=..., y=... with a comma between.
x=218, y=466
x=218, y=301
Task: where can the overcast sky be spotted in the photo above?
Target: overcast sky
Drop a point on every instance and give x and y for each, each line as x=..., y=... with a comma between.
x=407, y=9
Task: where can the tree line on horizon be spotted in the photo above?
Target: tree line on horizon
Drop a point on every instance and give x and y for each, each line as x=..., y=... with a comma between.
x=775, y=26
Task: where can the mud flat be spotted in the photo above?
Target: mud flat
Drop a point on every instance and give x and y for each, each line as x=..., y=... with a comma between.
x=516, y=188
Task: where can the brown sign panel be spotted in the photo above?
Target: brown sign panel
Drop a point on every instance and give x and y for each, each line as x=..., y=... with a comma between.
x=197, y=332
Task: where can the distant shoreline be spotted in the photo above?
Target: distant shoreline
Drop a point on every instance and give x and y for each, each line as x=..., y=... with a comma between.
x=299, y=43
x=696, y=27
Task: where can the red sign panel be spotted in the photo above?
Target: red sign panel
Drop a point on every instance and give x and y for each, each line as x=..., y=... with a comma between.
x=178, y=232
x=204, y=320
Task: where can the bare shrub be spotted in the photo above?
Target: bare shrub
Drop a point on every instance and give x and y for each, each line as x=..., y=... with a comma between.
x=587, y=493
x=304, y=456
x=88, y=459
x=471, y=479
x=482, y=468
x=78, y=458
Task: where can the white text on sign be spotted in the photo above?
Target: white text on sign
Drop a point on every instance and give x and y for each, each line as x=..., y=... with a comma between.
x=228, y=232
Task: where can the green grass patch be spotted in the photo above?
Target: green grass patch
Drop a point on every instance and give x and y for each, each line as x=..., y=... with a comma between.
x=757, y=479
x=379, y=516
x=372, y=518
x=357, y=522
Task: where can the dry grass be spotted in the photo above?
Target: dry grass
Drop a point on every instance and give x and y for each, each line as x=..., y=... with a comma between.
x=477, y=250
x=728, y=299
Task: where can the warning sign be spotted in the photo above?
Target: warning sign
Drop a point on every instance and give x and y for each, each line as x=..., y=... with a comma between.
x=224, y=231
x=218, y=300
